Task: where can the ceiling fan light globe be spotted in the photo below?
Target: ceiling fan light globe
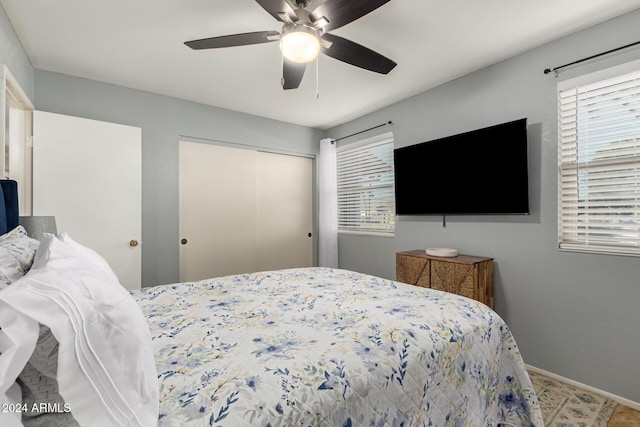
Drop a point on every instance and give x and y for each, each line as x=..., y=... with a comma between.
x=300, y=46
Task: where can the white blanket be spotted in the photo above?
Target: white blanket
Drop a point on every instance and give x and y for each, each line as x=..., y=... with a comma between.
x=106, y=368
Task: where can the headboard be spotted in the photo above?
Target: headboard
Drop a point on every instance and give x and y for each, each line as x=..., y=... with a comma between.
x=8, y=205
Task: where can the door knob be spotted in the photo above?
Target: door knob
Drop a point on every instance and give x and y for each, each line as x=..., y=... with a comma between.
x=183, y=241
x=133, y=243
x=309, y=235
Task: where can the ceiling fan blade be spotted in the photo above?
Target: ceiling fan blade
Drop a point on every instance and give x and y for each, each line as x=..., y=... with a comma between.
x=278, y=7
x=292, y=74
x=352, y=53
x=234, y=40
x=341, y=12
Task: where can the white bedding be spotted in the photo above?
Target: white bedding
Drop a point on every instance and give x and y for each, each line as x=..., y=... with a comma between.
x=106, y=369
x=322, y=347
x=308, y=347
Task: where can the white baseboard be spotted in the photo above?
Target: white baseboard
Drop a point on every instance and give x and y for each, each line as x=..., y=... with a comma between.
x=622, y=400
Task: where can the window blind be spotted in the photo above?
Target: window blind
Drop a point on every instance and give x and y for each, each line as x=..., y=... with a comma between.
x=366, y=186
x=599, y=166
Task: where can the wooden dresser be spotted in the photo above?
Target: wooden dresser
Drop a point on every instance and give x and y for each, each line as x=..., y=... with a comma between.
x=465, y=275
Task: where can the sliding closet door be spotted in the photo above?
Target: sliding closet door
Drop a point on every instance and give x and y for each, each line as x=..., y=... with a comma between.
x=242, y=211
x=284, y=212
x=218, y=210
x=88, y=174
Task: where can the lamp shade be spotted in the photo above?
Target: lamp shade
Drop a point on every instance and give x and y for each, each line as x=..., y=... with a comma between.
x=300, y=44
x=37, y=225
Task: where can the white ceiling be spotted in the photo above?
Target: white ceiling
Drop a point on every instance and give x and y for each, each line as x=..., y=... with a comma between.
x=139, y=44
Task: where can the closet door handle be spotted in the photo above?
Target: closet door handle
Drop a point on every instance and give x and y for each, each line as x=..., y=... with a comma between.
x=133, y=243
x=183, y=241
x=309, y=235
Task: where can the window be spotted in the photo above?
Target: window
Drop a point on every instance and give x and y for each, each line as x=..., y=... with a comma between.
x=365, y=186
x=599, y=162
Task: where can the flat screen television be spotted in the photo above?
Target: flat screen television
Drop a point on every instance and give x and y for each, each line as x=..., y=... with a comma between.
x=482, y=172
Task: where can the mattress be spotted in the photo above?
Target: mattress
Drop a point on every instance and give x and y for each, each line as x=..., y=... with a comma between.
x=329, y=347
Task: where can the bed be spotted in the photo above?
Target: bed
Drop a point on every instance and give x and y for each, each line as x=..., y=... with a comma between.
x=295, y=347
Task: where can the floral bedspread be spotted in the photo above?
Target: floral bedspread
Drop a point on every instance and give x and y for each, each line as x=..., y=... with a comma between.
x=324, y=347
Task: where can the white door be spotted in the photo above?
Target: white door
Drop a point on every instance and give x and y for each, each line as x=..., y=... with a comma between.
x=88, y=175
x=284, y=212
x=242, y=211
x=217, y=210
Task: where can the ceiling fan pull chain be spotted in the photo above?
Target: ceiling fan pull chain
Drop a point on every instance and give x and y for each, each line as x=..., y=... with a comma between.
x=317, y=78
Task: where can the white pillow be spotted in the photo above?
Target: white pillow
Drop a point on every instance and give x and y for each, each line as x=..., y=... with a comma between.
x=89, y=254
x=106, y=368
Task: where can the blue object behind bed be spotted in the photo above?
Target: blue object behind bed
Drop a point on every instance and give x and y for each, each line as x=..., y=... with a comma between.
x=9, y=206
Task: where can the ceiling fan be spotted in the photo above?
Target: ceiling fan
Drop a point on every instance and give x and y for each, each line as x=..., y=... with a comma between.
x=305, y=33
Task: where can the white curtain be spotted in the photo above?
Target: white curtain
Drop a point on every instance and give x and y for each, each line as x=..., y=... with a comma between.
x=328, y=205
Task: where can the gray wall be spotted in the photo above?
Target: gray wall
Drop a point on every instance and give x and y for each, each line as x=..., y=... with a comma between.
x=163, y=120
x=572, y=314
x=14, y=57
